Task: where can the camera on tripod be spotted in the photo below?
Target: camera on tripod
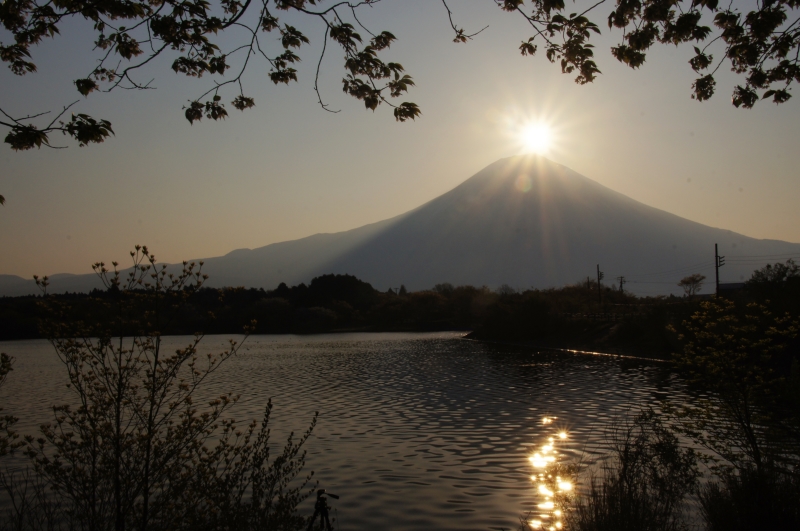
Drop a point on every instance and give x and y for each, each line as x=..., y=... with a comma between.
x=321, y=509
x=323, y=492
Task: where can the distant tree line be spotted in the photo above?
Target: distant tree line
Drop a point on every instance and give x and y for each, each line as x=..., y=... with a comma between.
x=570, y=316
x=329, y=303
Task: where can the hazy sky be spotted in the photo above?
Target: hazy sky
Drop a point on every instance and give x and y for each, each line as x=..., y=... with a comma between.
x=288, y=169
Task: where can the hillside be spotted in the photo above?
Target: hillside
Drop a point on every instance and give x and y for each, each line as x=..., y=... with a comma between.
x=523, y=221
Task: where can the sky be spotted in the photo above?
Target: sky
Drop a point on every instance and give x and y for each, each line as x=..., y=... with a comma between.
x=287, y=169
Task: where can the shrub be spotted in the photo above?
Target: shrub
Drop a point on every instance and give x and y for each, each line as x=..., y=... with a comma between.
x=644, y=485
x=135, y=450
x=751, y=500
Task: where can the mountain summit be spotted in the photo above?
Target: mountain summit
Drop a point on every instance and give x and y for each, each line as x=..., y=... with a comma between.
x=529, y=222
x=523, y=221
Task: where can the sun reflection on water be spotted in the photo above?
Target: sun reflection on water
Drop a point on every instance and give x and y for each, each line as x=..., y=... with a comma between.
x=553, y=481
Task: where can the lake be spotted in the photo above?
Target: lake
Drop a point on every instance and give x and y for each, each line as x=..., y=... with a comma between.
x=415, y=431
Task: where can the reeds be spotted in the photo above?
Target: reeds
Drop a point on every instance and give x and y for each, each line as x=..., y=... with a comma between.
x=642, y=486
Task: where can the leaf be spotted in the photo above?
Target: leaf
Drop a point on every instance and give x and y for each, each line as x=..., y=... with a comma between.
x=14, y=55
x=744, y=97
x=86, y=129
x=283, y=75
x=383, y=40
x=527, y=48
x=242, y=102
x=703, y=88
x=628, y=55
x=291, y=37
x=778, y=96
x=194, y=113
x=24, y=137
x=406, y=111
x=701, y=61
x=268, y=23
x=85, y=86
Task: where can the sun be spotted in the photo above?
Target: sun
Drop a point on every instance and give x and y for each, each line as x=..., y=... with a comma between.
x=536, y=138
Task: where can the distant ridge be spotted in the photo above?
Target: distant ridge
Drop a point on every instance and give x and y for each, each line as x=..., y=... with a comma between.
x=523, y=221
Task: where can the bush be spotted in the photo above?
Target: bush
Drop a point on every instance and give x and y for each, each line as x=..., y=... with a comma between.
x=751, y=500
x=135, y=450
x=644, y=485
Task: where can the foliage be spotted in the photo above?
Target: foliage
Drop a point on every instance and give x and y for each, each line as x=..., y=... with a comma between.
x=738, y=354
x=759, y=43
x=7, y=434
x=751, y=500
x=326, y=288
x=565, y=316
x=644, y=485
x=776, y=274
x=778, y=283
x=518, y=317
x=131, y=34
x=692, y=284
x=444, y=288
x=505, y=289
x=137, y=449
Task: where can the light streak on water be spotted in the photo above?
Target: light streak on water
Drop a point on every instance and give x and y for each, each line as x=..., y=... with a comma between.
x=553, y=481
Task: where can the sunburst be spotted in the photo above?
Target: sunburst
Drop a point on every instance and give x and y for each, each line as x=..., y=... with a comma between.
x=536, y=138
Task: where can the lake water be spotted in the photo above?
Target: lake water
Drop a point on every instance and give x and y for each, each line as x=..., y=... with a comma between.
x=416, y=431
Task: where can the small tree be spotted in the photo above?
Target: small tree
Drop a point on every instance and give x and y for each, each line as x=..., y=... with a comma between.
x=505, y=289
x=738, y=356
x=692, y=284
x=778, y=283
x=136, y=451
x=444, y=288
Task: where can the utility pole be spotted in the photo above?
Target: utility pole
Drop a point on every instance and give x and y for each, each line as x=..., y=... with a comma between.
x=719, y=261
x=621, y=283
x=599, y=292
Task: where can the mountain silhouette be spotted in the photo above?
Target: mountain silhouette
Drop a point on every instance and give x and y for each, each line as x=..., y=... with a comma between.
x=523, y=221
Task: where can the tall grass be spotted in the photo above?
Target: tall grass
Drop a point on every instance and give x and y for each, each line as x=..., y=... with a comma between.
x=643, y=485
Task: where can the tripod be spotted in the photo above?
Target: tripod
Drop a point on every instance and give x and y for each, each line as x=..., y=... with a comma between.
x=321, y=509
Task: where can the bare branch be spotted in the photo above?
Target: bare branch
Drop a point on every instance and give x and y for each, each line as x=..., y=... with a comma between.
x=316, y=77
x=460, y=35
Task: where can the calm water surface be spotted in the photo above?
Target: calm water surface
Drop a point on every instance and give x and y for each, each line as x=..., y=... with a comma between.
x=416, y=431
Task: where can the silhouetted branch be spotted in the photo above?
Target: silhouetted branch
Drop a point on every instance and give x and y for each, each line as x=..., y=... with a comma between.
x=460, y=35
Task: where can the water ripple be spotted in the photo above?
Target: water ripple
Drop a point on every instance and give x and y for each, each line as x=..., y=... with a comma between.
x=416, y=431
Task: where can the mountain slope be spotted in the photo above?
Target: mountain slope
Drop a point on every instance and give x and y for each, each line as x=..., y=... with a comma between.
x=526, y=221
x=522, y=221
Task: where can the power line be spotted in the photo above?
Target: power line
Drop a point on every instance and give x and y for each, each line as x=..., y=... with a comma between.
x=768, y=256
x=674, y=274
x=648, y=282
x=707, y=265
x=659, y=277
x=702, y=265
x=752, y=260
